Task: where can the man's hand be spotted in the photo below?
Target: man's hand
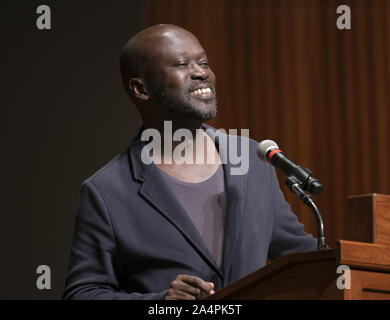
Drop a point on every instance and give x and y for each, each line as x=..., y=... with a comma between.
x=186, y=287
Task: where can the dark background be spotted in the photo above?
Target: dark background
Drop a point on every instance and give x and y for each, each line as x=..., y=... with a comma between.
x=283, y=70
x=64, y=115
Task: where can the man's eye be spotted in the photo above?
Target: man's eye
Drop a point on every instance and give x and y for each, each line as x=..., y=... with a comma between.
x=181, y=64
x=204, y=63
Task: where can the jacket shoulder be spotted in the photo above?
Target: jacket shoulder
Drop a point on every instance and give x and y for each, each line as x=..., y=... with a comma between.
x=116, y=170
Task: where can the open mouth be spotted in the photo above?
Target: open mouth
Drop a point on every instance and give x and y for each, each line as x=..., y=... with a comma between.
x=205, y=93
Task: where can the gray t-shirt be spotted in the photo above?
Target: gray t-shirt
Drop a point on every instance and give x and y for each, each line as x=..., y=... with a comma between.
x=205, y=204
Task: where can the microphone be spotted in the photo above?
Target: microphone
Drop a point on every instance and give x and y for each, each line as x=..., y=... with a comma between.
x=299, y=179
x=269, y=151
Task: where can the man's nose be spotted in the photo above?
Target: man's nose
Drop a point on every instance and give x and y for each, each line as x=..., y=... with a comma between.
x=199, y=72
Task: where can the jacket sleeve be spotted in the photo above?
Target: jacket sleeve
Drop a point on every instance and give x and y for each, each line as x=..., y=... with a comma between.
x=94, y=267
x=288, y=233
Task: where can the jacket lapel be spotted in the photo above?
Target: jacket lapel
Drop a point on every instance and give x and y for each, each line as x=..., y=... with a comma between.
x=235, y=194
x=155, y=191
x=235, y=190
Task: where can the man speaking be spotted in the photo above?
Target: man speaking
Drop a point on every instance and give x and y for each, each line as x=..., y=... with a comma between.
x=176, y=228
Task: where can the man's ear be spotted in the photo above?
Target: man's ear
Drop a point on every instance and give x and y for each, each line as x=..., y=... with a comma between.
x=138, y=89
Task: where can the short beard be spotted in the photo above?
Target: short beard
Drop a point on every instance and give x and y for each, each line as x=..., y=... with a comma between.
x=173, y=105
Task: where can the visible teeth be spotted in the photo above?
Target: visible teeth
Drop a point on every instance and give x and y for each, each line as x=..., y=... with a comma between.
x=202, y=91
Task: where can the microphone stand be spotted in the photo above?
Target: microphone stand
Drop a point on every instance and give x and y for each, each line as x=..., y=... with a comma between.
x=295, y=186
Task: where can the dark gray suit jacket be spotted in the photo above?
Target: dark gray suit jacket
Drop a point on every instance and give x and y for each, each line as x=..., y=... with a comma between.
x=132, y=237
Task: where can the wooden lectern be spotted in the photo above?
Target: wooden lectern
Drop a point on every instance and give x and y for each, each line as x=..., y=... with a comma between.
x=313, y=275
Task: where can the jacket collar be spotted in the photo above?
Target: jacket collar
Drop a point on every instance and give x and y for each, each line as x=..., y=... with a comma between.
x=153, y=189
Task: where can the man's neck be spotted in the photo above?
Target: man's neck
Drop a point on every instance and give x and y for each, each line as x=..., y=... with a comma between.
x=195, y=166
x=191, y=170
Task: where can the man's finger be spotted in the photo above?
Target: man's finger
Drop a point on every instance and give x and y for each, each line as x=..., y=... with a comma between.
x=189, y=289
x=198, y=283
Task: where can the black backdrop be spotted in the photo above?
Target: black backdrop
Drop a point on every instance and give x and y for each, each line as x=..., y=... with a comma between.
x=64, y=115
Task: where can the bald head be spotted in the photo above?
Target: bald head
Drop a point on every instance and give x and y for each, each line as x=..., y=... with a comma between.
x=166, y=73
x=140, y=52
